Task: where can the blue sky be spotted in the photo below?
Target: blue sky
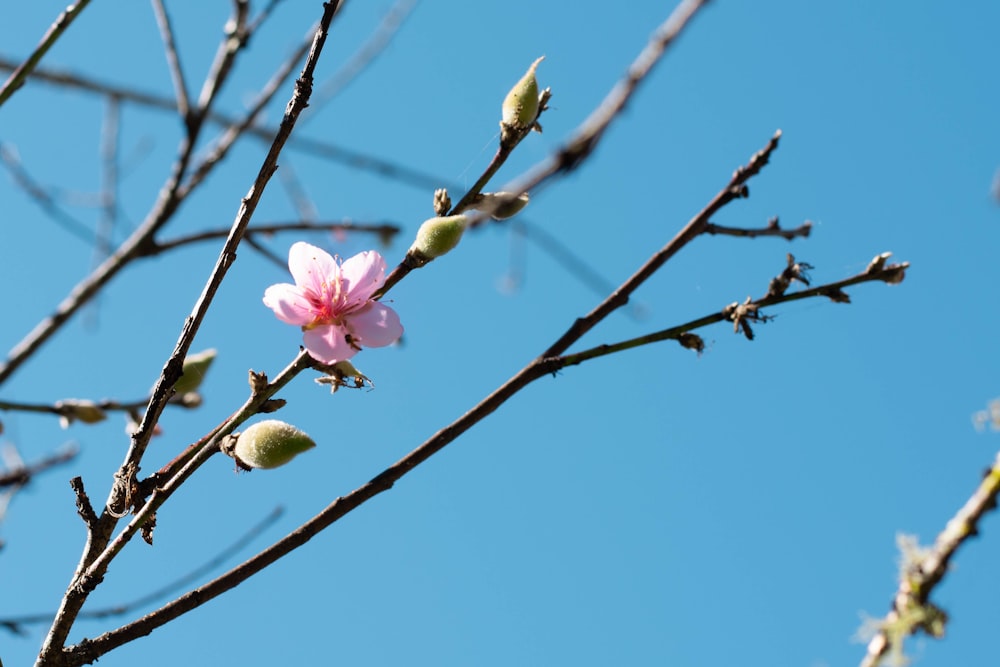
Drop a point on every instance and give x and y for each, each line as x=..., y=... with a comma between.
x=651, y=508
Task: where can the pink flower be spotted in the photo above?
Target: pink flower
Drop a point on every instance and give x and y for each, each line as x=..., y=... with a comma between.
x=332, y=303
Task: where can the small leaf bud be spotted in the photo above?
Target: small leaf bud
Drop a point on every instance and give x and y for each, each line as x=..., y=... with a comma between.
x=269, y=444
x=195, y=367
x=520, y=107
x=437, y=236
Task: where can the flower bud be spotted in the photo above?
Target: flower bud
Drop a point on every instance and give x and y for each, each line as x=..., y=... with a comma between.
x=501, y=205
x=195, y=367
x=437, y=236
x=442, y=202
x=269, y=444
x=520, y=107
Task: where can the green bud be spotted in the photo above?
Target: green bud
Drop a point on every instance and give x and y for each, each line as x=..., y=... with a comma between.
x=195, y=367
x=438, y=236
x=269, y=444
x=501, y=205
x=520, y=107
x=73, y=409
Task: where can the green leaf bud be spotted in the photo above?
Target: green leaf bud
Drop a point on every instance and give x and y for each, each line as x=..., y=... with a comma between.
x=520, y=107
x=269, y=444
x=438, y=236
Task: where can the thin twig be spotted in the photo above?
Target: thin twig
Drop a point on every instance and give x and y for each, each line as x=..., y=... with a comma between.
x=235, y=38
x=886, y=273
x=55, y=31
x=305, y=207
x=16, y=623
x=67, y=407
x=173, y=58
x=734, y=190
x=264, y=14
x=23, y=475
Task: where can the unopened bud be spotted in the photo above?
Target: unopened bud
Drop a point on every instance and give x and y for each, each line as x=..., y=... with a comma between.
x=501, y=205
x=438, y=236
x=442, y=202
x=195, y=367
x=520, y=107
x=269, y=444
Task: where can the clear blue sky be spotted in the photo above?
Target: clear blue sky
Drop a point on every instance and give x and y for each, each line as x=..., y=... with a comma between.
x=651, y=508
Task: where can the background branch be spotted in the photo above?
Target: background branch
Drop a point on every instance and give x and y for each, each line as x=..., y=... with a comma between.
x=16, y=624
x=922, y=572
x=173, y=58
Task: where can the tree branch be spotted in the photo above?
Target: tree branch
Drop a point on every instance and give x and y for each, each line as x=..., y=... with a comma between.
x=924, y=570
x=88, y=650
x=91, y=569
x=55, y=31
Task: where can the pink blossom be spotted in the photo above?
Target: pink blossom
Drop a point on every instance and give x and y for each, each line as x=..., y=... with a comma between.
x=332, y=303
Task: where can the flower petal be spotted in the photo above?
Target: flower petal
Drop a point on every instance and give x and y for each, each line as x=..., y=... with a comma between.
x=327, y=343
x=375, y=325
x=312, y=267
x=289, y=303
x=362, y=274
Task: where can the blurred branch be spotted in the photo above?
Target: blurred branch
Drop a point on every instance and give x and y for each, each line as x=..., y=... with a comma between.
x=264, y=14
x=242, y=125
x=167, y=203
x=357, y=160
x=70, y=409
x=110, y=134
x=384, y=230
x=55, y=31
x=922, y=570
x=22, y=475
x=384, y=168
x=42, y=197
x=363, y=57
x=173, y=58
x=15, y=624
